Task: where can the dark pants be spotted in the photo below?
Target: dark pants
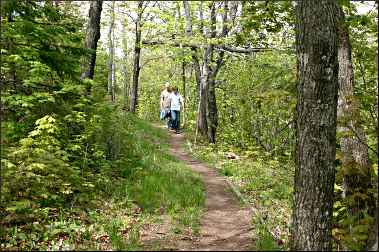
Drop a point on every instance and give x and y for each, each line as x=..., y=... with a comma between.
x=175, y=119
x=169, y=123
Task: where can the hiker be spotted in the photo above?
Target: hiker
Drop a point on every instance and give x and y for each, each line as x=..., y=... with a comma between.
x=165, y=104
x=175, y=101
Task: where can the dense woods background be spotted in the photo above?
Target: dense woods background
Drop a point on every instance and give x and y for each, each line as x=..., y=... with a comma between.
x=82, y=168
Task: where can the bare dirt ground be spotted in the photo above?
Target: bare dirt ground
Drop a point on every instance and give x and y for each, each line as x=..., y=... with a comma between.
x=225, y=224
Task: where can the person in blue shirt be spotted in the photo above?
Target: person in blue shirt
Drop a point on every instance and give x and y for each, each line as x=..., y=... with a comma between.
x=176, y=103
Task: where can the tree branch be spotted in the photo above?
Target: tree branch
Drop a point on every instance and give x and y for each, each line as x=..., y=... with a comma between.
x=220, y=47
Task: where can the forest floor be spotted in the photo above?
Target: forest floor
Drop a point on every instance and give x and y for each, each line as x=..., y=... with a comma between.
x=225, y=224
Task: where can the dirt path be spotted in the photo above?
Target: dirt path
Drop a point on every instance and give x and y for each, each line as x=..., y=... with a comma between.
x=225, y=225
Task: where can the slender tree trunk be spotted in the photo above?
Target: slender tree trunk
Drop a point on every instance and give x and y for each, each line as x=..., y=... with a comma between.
x=212, y=111
x=201, y=78
x=126, y=85
x=184, y=90
x=125, y=72
x=113, y=71
x=212, y=114
x=92, y=36
x=202, y=125
x=136, y=61
x=183, y=63
x=211, y=106
x=316, y=41
x=111, y=65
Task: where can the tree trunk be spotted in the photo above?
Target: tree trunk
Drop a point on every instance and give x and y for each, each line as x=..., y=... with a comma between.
x=136, y=61
x=92, y=36
x=212, y=115
x=355, y=161
x=125, y=72
x=354, y=151
x=111, y=65
x=201, y=78
x=126, y=85
x=113, y=71
x=184, y=90
x=211, y=106
x=202, y=125
x=316, y=41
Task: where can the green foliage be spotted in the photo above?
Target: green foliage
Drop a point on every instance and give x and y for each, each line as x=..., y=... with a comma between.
x=47, y=188
x=258, y=104
x=78, y=173
x=266, y=242
x=263, y=20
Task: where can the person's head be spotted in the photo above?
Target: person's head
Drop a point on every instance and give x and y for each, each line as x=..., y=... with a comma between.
x=167, y=85
x=175, y=89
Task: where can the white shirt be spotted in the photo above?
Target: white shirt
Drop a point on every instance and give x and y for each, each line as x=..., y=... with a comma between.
x=165, y=99
x=175, y=100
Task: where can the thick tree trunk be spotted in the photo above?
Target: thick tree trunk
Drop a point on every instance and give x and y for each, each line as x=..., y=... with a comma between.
x=92, y=36
x=111, y=65
x=136, y=62
x=316, y=41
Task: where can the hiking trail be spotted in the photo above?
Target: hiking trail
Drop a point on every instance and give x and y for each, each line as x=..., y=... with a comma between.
x=224, y=224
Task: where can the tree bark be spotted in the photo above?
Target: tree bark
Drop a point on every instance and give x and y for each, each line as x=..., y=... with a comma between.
x=124, y=67
x=184, y=90
x=136, y=61
x=355, y=161
x=201, y=125
x=316, y=46
x=212, y=115
x=354, y=150
x=111, y=64
x=211, y=106
x=195, y=60
x=92, y=37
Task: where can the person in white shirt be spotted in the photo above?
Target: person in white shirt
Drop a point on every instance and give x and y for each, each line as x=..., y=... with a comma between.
x=165, y=104
x=176, y=101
